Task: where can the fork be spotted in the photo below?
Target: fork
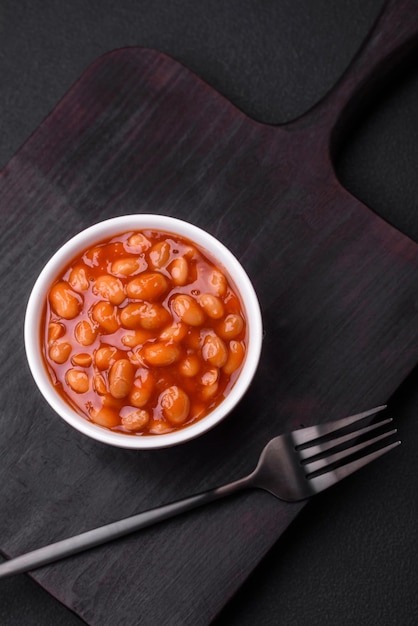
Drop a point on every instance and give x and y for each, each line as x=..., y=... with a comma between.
x=293, y=467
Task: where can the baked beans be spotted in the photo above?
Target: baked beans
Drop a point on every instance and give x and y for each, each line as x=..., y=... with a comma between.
x=144, y=333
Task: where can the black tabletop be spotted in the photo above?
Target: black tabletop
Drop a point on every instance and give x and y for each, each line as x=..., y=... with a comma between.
x=351, y=555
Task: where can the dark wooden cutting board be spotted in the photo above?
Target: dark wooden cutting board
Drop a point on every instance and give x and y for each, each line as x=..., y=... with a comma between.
x=337, y=285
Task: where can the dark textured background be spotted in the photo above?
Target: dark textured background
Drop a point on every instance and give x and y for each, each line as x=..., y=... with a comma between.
x=351, y=555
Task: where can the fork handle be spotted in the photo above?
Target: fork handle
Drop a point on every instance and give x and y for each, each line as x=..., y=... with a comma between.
x=114, y=530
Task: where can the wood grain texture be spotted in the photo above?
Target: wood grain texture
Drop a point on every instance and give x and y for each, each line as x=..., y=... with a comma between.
x=337, y=285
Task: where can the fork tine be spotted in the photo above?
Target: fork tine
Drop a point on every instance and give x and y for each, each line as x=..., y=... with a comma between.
x=325, y=462
x=306, y=453
x=323, y=481
x=310, y=433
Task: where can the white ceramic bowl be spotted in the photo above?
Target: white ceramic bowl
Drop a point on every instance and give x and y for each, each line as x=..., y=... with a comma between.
x=90, y=237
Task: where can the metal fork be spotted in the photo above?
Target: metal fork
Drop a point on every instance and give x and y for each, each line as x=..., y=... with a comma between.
x=292, y=467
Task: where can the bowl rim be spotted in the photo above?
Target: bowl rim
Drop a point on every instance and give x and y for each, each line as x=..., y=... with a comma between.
x=112, y=227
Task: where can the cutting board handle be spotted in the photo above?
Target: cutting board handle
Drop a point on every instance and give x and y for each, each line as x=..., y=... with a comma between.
x=392, y=38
